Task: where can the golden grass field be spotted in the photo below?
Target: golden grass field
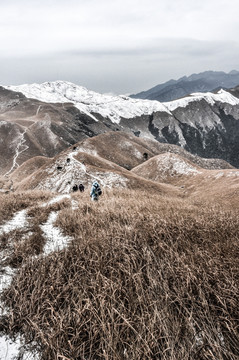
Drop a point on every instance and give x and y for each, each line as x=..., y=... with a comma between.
x=147, y=274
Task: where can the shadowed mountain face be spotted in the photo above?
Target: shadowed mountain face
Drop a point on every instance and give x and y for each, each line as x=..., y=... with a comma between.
x=202, y=82
x=203, y=124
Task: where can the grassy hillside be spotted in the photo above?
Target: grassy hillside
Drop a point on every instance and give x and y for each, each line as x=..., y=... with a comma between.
x=144, y=276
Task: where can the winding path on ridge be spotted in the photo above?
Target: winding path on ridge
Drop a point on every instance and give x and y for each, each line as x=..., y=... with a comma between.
x=21, y=146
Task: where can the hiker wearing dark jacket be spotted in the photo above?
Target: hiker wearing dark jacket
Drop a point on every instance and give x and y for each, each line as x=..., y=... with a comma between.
x=81, y=188
x=75, y=188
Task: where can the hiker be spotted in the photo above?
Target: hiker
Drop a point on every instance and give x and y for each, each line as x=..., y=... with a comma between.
x=75, y=188
x=95, y=191
x=81, y=188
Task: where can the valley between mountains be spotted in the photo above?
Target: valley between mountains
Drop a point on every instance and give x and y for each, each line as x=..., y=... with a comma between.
x=150, y=271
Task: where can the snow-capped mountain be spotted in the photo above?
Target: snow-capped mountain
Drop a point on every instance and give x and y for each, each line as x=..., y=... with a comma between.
x=90, y=102
x=44, y=119
x=111, y=106
x=211, y=98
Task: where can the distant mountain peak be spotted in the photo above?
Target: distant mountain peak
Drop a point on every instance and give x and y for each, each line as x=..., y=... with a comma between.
x=201, y=82
x=234, y=72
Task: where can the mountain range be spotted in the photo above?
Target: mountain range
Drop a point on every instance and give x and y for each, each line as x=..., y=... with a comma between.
x=202, y=82
x=40, y=124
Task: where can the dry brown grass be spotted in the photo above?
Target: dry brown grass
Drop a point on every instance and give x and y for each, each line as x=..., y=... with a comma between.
x=19, y=245
x=145, y=277
x=15, y=201
x=23, y=246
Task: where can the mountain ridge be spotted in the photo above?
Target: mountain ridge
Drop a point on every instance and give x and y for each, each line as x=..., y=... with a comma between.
x=202, y=82
x=113, y=166
x=205, y=124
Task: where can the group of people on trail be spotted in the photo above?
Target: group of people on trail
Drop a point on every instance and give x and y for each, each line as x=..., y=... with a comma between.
x=80, y=187
x=95, y=190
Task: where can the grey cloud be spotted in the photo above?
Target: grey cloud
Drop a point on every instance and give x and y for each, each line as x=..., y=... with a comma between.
x=124, y=71
x=162, y=47
x=115, y=45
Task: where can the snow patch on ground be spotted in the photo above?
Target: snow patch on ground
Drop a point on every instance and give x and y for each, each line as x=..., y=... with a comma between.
x=55, y=239
x=63, y=180
x=12, y=350
x=9, y=349
x=3, y=122
x=218, y=175
x=18, y=221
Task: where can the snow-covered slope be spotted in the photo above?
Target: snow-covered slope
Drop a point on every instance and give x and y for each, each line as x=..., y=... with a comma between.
x=90, y=102
x=211, y=98
x=112, y=106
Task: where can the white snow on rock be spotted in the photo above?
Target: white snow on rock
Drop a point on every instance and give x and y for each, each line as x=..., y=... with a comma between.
x=211, y=98
x=76, y=172
x=62, y=181
x=172, y=165
x=89, y=102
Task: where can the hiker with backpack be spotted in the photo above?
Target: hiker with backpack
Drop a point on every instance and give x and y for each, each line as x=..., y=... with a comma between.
x=95, y=191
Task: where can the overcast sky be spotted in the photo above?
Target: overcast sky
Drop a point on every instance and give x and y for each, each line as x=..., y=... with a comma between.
x=119, y=46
